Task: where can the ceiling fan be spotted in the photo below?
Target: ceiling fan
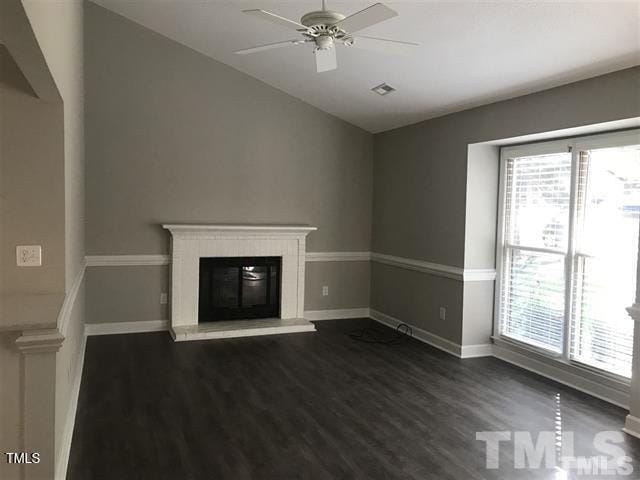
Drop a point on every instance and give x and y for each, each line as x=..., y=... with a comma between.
x=326, y=29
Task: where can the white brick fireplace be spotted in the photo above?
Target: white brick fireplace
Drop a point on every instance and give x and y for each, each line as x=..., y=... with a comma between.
x=189, y=243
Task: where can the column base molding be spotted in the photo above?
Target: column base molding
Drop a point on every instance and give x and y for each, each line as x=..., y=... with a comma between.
x=632, y=426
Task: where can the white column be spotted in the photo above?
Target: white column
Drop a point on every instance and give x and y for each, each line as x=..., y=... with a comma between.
x=632, y=422
x=39, y=349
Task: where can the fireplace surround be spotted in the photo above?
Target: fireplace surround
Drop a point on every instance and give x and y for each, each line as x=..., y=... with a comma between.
x=190, y=243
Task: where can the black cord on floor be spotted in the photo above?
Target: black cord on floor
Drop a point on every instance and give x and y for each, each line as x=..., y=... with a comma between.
x=370, y=334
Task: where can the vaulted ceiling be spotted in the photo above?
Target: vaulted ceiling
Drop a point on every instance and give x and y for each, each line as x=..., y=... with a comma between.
x=470, y=53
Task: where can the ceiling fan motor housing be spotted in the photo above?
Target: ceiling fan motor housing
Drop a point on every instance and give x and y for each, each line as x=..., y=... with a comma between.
x=321, y=30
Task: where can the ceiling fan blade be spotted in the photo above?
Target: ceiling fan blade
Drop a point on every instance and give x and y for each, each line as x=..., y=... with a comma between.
x=269, y=46
x=325, y=59
x=272, y=17
x=385, y=45
x=401, y=42
x=376, y=13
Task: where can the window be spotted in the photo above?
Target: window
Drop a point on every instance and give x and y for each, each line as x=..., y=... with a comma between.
x=568, y=248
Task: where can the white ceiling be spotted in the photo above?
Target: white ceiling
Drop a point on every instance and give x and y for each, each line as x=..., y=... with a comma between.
x=471, y=52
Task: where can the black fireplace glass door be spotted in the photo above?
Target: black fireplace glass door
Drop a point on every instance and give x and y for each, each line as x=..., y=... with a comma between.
x=239, y=288
x=225, y=281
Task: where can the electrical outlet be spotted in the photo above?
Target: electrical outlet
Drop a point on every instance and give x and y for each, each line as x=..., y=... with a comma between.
x=29, y=255
x=325, y=291
x=164, y=298
x=443, y=313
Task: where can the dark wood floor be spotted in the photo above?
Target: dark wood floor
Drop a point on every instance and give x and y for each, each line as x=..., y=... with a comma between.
x=312, y=406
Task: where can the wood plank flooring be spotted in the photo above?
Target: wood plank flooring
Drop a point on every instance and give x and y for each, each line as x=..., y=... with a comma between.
x=313, y=406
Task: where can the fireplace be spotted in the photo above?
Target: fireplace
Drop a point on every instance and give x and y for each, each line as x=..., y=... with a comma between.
x=280, y=294
x=239, y=288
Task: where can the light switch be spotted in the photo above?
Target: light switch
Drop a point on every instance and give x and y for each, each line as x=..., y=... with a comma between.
x=29, y=255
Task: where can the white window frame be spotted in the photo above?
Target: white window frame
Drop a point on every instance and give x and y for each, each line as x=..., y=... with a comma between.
x=574, y=145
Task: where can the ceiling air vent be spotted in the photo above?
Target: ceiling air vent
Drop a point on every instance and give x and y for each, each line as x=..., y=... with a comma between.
x=383, y=89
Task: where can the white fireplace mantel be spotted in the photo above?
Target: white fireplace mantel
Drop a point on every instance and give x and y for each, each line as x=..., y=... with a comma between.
x=241, y=229
x=190, y=242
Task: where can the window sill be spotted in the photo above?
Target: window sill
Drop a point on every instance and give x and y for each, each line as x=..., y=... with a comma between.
x=610, y=388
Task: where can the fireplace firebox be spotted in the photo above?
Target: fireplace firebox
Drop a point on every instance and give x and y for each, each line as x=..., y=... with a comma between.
x=234, y=288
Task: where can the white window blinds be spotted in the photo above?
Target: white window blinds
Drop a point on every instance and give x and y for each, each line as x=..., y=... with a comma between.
x=537, y=197
x=569, y=249
x=606, y=258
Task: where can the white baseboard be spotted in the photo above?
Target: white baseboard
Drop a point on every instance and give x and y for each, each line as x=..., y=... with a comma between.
x=476, y=351
x=126, y=327
x=336, y=314
x=420, y=334
x=70, y=420
x=632, y=426
x=593, y=387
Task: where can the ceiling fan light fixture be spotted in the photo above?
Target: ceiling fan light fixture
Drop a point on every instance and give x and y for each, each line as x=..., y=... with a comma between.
x=324, y=42
x=383, y=89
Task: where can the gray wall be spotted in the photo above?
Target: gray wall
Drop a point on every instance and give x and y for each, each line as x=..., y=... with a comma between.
x=136, y=290
x=126, y=294
x=424, y=165
x=414, y=297
x=174, y=136
x=31, y=184
x=58, y=29
x=420, y=184
x=345, y=281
